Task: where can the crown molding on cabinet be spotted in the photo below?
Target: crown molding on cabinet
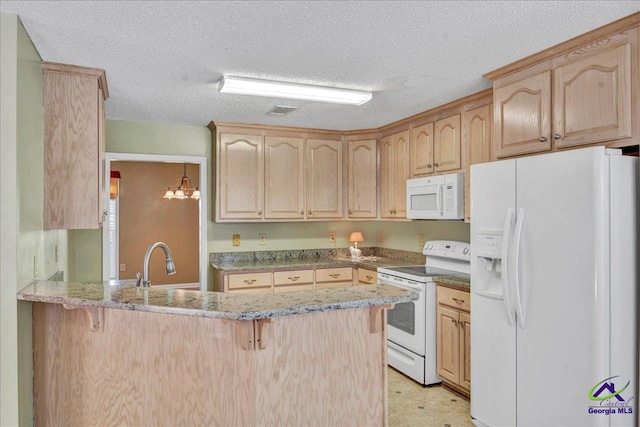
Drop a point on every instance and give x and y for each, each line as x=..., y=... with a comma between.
x=54, y=67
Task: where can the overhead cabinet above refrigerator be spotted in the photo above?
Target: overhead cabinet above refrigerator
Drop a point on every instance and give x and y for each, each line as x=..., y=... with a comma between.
x=553, y=281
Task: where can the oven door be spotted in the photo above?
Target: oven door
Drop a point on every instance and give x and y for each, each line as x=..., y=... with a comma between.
x=406, y=322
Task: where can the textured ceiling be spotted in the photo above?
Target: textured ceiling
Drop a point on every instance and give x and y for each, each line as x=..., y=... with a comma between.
x=163, y=59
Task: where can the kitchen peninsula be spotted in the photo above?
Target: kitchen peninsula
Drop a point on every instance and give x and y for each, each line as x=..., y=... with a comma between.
x=109, y=353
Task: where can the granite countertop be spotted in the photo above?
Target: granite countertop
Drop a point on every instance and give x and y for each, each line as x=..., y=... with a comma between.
x=308, y=263
x=462, y=282
x=123, y=295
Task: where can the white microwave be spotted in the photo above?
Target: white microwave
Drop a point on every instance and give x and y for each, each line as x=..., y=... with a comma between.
x=436, y=197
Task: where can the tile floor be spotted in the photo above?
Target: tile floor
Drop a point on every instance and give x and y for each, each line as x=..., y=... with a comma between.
x=411, y=405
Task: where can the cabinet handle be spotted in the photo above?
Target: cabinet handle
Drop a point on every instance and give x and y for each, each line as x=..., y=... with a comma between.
x=436, y=164
x=259, y=212
x=429, y=165
x=249, y=281
x=453, y=320
x=334, y=275
x=557, y=136
x=301, y=212
x=309, y=212
x=350, y=211
x=543, y=139
x=369, y=277
x=459, y=301
x=294, y=278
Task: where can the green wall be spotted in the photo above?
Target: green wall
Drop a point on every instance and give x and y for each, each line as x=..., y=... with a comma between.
x=27, y=251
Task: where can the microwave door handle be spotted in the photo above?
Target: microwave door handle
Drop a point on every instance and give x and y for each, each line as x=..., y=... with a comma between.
x=439, y=199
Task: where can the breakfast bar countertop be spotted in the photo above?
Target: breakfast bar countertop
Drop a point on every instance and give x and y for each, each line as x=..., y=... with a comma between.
x=124, y=295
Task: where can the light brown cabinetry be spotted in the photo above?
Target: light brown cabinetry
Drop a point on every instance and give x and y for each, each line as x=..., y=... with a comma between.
x=73, y=146
x=284, y=178
x=367, y=277
x=394, y=171
x=293, y=280
x=447, y=144
x=248, y=282
x=453, y=334
x=240, y=186
x=570, y=97
x=477, y=138
x=334, y=277
x=362, y=170
x=422, y=150
x=324, y=179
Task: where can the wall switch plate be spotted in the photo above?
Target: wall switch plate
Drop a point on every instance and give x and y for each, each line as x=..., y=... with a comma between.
x=381, y=237
x=236, y=240
x=420, y=239
x=123, y=267
x=262, y=238
x=332, y=237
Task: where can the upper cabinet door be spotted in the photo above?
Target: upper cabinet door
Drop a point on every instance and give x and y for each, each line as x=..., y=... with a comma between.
x=241, y=190
x=324, y=179
x=362, y=179
x=422, y=150
x=284, y=178
x=477, y=136
x=73, y=147
x=522, y=116
x=401, y=172
x=387, y=168
x=447, y=144
x=592, y=98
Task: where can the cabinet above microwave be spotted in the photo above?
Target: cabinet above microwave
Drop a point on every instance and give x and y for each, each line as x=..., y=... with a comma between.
x=436, y=197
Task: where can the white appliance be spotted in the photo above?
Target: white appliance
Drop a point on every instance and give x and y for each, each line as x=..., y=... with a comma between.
x=553, y=290
x=411, y=326
x=436, y=197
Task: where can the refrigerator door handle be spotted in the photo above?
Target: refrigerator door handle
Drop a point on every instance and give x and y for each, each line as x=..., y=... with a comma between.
x=439, y=199
x=520, y=314
x=506, y=240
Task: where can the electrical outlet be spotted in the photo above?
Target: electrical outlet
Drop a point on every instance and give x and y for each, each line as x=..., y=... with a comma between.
x=420, y=239
x=123, y=267
x=236, y=240
x=262, y=238
x=381, y=237
x=332, y=237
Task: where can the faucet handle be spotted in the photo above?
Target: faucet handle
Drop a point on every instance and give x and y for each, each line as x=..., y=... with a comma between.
x=138, y=278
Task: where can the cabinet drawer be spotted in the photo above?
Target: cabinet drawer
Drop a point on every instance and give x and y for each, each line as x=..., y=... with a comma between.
x=293, y=288
x=249, y=280
x=295, y=277
x=367, y=276
x=454, y=298
x=341, y=274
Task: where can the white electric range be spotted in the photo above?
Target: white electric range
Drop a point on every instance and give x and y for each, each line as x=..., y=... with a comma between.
x=411, y=326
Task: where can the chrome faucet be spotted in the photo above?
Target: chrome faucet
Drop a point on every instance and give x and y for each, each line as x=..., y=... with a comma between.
x=171, y=268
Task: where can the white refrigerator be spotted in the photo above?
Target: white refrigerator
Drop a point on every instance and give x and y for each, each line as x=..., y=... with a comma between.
x=553, y=290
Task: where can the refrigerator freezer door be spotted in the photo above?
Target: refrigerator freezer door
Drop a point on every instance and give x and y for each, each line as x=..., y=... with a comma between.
x=493, y=339
x=564, y=347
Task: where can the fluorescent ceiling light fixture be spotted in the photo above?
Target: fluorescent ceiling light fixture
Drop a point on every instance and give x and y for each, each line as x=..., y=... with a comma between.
x=259, y=87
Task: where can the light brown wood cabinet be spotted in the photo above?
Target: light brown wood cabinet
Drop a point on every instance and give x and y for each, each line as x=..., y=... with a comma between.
x=394, y=172
x=477, y=138
x=334, y=277
x=284, y=178
x=292, y=280
x=453, y=335
x=447, y=142
x=586, y=95
x=249, y=283
x=422, y=150
x=240, y=177
x=74, y=141
x=270, y=281
x=366, y=276
x=324, y=179
x=363, y=173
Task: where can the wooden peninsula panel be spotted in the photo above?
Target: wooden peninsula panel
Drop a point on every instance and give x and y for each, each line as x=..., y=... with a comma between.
x=142, y=368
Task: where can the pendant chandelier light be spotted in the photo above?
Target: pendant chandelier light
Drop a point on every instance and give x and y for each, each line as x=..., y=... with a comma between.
x=183, y=189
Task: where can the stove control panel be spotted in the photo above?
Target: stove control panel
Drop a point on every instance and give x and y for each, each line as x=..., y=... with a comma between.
x=447, y=249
